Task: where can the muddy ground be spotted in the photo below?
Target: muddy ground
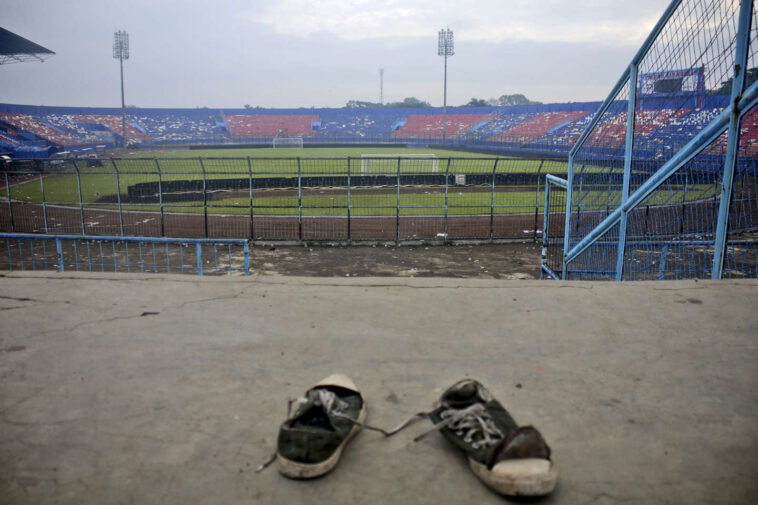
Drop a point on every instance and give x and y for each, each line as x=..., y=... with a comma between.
x=485, y=261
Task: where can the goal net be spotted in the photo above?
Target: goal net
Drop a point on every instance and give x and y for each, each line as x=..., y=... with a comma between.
x=387, y=164
x=288, y=142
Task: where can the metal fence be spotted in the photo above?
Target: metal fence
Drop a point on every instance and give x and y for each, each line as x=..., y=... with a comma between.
x=268, y=199
x=552, y=226
x=124, y=254
x=691, y=209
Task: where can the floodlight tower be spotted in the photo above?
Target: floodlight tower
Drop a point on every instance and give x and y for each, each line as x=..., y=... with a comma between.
x=121, y=53
x=381, y=86
x=445, y=49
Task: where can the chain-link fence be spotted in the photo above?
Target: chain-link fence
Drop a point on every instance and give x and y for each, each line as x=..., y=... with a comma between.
x=662, y=184
x=39, y=252
x=294, y=199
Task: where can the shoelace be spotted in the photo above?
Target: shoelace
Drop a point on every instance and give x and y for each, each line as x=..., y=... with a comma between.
x=473, y=423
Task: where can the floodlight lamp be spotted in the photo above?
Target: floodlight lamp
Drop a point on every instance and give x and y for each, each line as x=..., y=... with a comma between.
x=121, y=45
x=445, y=46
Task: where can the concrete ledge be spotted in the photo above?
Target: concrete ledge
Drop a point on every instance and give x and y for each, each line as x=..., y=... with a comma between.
x=170, y=389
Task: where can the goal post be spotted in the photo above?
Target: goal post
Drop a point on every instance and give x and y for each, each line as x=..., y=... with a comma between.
x=280, y=142
x=387, y=164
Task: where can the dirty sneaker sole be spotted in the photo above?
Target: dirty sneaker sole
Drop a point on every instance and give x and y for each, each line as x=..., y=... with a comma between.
x=518, y=477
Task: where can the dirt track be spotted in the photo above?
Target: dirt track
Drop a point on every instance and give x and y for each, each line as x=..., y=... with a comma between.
x=30, y=218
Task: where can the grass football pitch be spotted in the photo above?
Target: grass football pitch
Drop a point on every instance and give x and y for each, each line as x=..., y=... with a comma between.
x=99, y=185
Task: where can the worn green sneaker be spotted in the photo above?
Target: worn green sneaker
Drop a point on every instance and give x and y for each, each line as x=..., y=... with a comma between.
x=312, y=439
x=511, y=460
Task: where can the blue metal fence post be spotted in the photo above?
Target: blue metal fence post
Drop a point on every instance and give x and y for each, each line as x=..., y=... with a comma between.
x=250, y=190
x=299, y=201
x=246, y=249
x=447, y=189
x=79, y=189
x=160, y=196
x=397, y=203
x=59, y=248
x=349, y=203
x=205, y=197
x=42, y=197
x=738, y=84
x=630, y=116
x=199, y=254
x=118, y=196
x=662, y=266
x=492, y=202
x=10, y=205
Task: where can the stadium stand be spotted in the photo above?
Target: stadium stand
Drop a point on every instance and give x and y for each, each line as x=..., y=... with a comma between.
x=25, y=123
x=431, y=125
x=499, y=123
x=537, y=126
x=749, y=145
x=677, y=131
x=550, y=128
x=177, y=127
x=9, y=140
x=265, y=126
x=82, y=133
x=113, y=123
x=367, y=124
x=561, y=138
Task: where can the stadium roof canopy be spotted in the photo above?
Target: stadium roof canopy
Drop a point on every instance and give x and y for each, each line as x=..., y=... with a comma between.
x=15, y=49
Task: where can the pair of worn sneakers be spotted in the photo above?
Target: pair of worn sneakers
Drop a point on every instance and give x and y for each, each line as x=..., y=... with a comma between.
x=511, y=460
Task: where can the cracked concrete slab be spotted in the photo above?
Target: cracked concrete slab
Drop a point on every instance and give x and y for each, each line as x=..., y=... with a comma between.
x=169, y=389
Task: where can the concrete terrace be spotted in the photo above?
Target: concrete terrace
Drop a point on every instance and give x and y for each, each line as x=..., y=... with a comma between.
x=119, y=389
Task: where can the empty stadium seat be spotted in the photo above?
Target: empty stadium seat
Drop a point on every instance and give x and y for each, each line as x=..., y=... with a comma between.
x=431, y=125
x=41, y=130
x=265, y=126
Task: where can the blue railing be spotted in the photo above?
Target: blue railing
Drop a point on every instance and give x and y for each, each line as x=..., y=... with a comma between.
x=87, y=253
x=715, y=238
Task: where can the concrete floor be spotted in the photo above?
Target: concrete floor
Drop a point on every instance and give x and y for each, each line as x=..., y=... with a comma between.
x=119, y=389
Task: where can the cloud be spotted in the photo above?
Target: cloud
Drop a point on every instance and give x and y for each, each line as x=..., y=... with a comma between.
x=607, y=21
x=289, y=53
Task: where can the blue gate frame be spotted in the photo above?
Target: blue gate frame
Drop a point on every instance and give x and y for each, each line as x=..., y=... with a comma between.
x=742, y=100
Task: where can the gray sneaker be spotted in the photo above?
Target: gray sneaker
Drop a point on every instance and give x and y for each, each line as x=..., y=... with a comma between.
x=511, y=460
x=312, y=439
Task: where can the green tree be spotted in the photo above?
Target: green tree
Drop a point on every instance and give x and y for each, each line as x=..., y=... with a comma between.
x=410, y=101
x=477, y=102
x=358, y=104
x=515, y=99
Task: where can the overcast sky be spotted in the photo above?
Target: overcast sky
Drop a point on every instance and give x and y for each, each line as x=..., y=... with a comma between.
x=322, y=53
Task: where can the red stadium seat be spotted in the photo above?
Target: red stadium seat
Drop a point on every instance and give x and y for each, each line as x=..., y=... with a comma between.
x=430, y=125
x=253, y=126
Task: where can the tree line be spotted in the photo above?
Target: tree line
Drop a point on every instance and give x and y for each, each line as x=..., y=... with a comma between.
x=413, y=102
x=502, y=100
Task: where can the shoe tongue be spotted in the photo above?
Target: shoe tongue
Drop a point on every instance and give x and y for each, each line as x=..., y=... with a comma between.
x=464, y=395
x=313, y=414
